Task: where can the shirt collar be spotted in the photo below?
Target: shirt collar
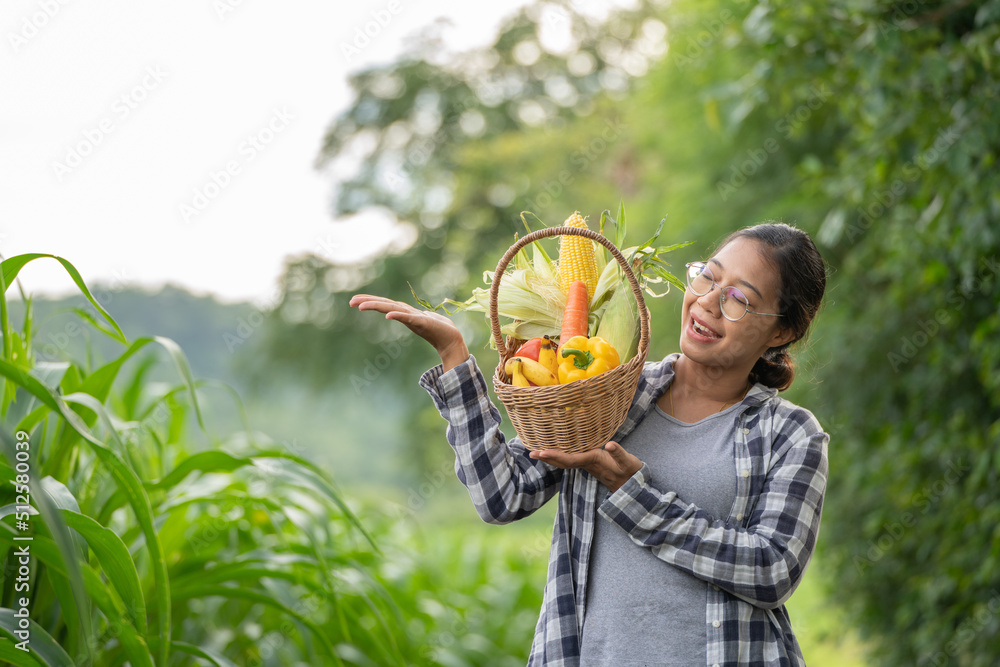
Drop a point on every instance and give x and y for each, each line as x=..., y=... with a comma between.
x=662, y=374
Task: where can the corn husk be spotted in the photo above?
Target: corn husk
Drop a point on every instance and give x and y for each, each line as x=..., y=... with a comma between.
x=620, y=323
x=531, y=302
x=531, y=299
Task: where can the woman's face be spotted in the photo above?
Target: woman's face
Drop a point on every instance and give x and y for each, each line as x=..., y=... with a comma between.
x=709, y=338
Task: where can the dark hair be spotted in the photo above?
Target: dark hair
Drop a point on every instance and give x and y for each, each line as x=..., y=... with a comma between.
x=802, y=276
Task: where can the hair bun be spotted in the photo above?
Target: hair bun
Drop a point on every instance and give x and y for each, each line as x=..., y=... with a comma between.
x=775, y=368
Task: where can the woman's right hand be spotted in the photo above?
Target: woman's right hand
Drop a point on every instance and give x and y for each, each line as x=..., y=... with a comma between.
x=436, y=329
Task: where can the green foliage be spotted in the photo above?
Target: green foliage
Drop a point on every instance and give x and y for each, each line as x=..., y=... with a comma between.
x=469, y=594
x=907, y=195
x=149, y=552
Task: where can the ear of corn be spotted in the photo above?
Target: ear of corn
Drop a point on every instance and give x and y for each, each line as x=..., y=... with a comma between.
x=577, y=259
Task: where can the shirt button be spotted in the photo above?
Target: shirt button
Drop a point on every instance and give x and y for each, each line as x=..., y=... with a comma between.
x=739, y=517
x=746, y=431
x=715, y=665
x=716, y=624
x=746, y=472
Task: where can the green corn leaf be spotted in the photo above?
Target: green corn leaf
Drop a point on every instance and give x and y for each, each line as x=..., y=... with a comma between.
x=185, y=371
x=94, y=322
x=49, y=373
x=45, y=550
x=4, y=322
x=540, y=222
x=620, y=225
x=539, y=248
x=75, y=642
x=10, y=654
x=134, y=646
x=237, y=401
x=13, y=265
x=127, y=482
x=117, y=499
x=28, y=317
x=116, y=561
x=675, y=246
x=422, y=302
x=92, y=404
x=308, y=472
x=32, y=419
x=183, y=647
x=47, y=507
x=669, y=277
x=246, y=573
x=61, y=498
x=6, y=471
x=650, y=241
x=441, y=306
x=42, y=646
x=209, y=461
x=69, y=601
x=19, y=350
x=98, y=383
x=133, y=391
x=260, y=597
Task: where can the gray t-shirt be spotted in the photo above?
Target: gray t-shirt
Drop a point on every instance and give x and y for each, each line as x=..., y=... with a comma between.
x=641, y=610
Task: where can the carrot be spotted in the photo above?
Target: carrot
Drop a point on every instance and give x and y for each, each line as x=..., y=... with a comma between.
x=577, y=309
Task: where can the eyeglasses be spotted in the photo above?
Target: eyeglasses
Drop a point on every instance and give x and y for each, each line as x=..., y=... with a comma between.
x=732, y=301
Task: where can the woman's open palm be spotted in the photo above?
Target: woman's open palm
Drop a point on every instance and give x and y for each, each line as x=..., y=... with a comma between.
x=433, y=327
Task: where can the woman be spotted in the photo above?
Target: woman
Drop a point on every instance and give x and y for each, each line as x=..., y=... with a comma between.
x=679, y=541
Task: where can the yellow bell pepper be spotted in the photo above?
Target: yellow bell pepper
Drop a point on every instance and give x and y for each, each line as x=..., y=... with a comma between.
x=581, y=357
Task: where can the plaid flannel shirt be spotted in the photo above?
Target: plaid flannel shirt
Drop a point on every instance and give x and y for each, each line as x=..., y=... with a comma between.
x=752, y=560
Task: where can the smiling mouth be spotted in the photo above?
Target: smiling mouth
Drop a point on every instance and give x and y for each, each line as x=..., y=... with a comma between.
x=702, y=330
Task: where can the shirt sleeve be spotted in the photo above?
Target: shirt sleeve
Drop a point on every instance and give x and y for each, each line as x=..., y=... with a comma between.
x=505, y=484
x=761, y=560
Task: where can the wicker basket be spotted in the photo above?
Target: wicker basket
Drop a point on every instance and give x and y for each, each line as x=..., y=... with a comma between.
x=581, y=415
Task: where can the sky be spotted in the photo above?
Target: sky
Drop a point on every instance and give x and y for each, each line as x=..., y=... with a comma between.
x=153, y=143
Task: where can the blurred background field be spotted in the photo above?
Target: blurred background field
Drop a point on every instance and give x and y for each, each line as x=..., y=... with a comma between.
x=869, y=124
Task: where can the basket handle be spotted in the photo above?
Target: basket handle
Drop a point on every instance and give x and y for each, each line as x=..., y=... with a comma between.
x=559, y=231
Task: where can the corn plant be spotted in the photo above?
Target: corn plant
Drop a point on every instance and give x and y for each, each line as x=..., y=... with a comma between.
x=470, y=592
x=122, y=542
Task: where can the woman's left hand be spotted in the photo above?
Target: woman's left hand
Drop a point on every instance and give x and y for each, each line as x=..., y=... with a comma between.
x=611, y=465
